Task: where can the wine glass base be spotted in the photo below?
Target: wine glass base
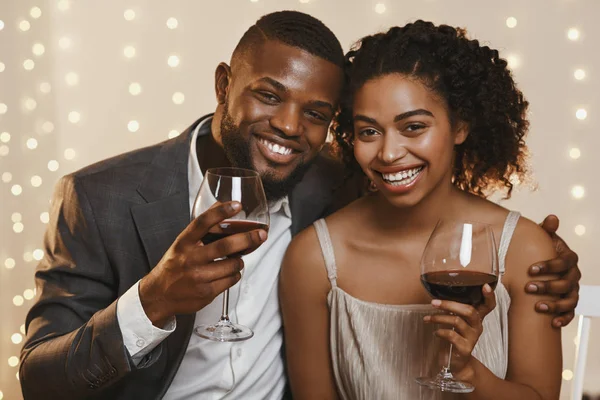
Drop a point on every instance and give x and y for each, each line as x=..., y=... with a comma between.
x=445, y=384
x=224, y=331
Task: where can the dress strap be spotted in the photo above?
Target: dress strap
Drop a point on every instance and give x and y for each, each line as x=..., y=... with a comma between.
x=507, y=232
x=327, y=250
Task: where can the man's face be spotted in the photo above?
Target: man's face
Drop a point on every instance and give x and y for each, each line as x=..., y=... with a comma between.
x=277, y=104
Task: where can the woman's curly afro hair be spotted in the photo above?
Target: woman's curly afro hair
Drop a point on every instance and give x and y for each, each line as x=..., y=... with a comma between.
x=475, y=83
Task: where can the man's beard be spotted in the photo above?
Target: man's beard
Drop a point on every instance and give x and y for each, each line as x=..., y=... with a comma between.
x=237, y=150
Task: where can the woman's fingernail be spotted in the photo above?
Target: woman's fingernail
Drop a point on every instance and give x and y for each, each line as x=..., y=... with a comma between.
x=532, y=288
x=558, y=324
x=487, y=288
x=262, y=234
x=543, y=307
x=436, y=303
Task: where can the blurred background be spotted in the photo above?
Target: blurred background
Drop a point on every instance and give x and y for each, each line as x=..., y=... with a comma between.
x=84, y=80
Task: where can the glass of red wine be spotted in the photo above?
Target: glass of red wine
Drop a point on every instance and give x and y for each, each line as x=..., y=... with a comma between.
x=459, y=259
x=221, y=185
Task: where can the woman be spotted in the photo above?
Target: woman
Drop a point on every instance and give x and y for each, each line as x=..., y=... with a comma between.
x=434, y=120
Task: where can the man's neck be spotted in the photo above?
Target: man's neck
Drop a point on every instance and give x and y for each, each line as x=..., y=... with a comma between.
x=210, y=153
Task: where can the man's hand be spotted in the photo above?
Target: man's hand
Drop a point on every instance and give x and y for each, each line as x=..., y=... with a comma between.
x=565, y=287
x=188, y=278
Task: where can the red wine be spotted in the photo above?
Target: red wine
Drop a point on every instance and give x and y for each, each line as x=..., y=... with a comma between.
x=457, y=285
x=231, y=227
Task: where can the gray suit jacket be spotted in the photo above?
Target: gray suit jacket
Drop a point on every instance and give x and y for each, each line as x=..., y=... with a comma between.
x=110, y=224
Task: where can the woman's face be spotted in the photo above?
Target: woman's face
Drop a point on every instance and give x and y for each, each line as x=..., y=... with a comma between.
x=403, y=138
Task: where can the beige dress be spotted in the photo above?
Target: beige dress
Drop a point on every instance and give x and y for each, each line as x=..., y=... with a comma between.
x=378, y=350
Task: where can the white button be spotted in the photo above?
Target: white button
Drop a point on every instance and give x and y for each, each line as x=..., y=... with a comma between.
x=239, y=352
x=140, y=343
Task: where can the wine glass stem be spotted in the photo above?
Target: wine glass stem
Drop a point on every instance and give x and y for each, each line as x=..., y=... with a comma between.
x=447, y=368
x=225, y=312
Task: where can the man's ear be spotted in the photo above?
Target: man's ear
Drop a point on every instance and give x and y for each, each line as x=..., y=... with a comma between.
x=222, y=81
x=461, y=133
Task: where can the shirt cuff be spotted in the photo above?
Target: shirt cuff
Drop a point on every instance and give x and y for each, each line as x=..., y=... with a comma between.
x=139, y=335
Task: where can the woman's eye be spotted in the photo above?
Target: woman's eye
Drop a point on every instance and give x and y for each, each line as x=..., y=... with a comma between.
x=414, y=127
x=368, y=132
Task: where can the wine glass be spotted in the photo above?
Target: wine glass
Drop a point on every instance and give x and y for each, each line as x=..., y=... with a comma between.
x=459, y=259
x=222, y=185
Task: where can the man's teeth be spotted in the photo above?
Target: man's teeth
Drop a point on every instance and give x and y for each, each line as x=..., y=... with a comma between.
x=403, y=177
x=275, y=148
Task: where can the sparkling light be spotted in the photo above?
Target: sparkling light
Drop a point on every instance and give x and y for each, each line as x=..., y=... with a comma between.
x=173, y=133
x=45, y=217
x=129, y=51
x=69, y=154
x=28, y=293
x=129, y=15
x=16, y=338
x=28, y=64
x=13, y=361
x=133, y=126
x=172, y=23
x=578, y=191
x=573, y=34
x=254, y=1
x=567, y=375
x=3, y=108
x=511, y=22
x=380, y=8
x=45, y=87
x=1, y=395
x=22, y=329
x=38, y=254
x=135, y=88
x=18, y=300
x=513, y=61
x=173, y=61
x=9, y=263
x=35, y=12
x=74, y=117
x=579, y=74
x=16, y=190
x=16, y=217
x=48, y=127
x=32, y=143
x=38, y=49
x=72, y=79
x=574, y=153
x=18, y=227
x=4, y=137
x=24, y=25
x=1, y=24
x=27, y=256
x=30, y=104
x=64, y=5
x=6, y=177
x=580, y=230
x=2, y=67
x=304, y=1
x=581, y=114
x=4, y=150
x=178, y=98
x=64, y=43
x=53, y=165
x=36, y=181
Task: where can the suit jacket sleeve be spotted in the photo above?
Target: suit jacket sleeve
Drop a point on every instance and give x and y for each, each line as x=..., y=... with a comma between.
x=74, y=345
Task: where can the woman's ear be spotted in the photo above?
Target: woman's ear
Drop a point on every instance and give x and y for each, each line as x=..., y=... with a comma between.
x=222, y=81
x=462, y=132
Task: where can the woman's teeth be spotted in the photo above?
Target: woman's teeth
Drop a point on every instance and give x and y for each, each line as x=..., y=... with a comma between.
x=403, y=177
x=276, y=148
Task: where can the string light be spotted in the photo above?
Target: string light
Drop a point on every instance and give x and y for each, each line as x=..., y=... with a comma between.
x=72, y=79
x=18, y=300
x=304, y=1
x=380, y=8
x=16, y=338
x=32, y=143
x=173, y=133
x=64, y=5
x=45, y=87
x=38, y=254
x=129, y=15
x=580, y=230
x=9, y=263
x=64, y=43
x=581, y=114
x=578, y=191
x=16, y=217
x=18, y=227
x=28, y=293
x=45, y=217
x=13, y=361
x=511, y=22
x=129, y=51
x=28, y=65
x=24, y=25
x=4, y=150
x=579, y=74
x=27, y=256
x=173, y=61
x=6, y=177
x=38, y=49
x=69, y=154
x=53, y=165
x=47, y=127
x=3, y=108
x=29, y=104
x=4, y=137
x=22, y=329
x=574, y=153
x=254, y=1
x=135, y=88
x=178, y=98
x=74, y=117
x=2, y=67
x=513, y=61
x=573, y=34
x=172, y=23
x=16, y=190
x=1, y=24
x=36, y=181
x=133, y=126
x=567, y=375
x=35, y=12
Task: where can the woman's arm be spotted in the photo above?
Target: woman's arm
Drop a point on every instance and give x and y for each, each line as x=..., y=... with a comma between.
x=303, y=290
x=534, y=348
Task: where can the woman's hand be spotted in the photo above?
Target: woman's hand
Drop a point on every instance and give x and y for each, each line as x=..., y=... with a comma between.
x=467, y=324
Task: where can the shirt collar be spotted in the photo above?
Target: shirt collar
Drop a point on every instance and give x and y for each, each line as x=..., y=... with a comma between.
x=195, y=175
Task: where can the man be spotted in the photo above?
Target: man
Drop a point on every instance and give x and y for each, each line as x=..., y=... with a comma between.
x=126, y=277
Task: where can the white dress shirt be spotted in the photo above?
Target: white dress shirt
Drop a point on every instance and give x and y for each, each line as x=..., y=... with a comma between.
x=251, y=369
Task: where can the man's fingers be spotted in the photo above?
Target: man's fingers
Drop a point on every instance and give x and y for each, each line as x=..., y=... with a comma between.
x=562, y=306
x=555, y=287
x=231, y=245
x=563, y=320
x=218, y=270
x=219, y=286
x=550, y=224
x=199, y=227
